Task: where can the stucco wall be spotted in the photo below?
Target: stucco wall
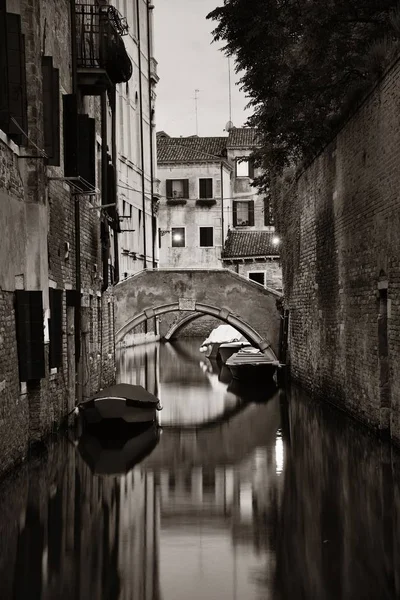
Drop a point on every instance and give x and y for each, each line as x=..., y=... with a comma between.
x=192, y=216
x=340, y=224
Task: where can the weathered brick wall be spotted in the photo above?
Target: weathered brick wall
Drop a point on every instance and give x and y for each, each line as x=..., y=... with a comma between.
x=340, y=221
x=271, y=268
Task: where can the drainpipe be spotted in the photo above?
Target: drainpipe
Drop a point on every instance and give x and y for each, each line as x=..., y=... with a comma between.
x=114, y=162
x=149, y=52
x=77, y=214
x=222, y=206
x=142, y=139
x=104, y=162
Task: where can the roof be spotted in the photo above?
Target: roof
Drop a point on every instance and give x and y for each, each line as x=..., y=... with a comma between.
x=190, y=149
x=242, y=137
x=240, y=244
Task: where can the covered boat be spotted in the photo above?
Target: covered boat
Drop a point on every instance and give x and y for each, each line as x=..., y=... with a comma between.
x=220, y=335
x=121, y=402
x=251, y=364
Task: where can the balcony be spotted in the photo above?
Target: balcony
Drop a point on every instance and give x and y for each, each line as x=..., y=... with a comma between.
x=154, y=78
x=102, y=60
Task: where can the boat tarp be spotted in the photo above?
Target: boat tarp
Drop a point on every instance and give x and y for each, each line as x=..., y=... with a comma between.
x=132, y=393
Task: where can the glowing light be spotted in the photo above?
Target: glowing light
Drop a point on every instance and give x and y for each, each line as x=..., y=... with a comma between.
x=276, y=241
x=279, y=453
x=177, y=237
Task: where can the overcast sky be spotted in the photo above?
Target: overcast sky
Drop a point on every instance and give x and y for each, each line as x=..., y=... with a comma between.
x=188, y=61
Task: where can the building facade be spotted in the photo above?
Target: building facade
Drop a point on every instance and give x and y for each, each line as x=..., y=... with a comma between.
x=206, y=224
x=58, y=249
x=193, y=217
x=136, y=144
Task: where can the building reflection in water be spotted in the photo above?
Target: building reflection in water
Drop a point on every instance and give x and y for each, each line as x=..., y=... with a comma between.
x=277, y=500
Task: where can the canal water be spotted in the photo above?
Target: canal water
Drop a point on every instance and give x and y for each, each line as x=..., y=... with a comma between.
x=241, y=494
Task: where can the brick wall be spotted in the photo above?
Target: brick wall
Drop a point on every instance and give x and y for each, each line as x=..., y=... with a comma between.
x=340, y=225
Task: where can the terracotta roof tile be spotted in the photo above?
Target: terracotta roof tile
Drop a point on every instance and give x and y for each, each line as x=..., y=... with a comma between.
x=190, y=149
x=242, y=137
x=240, y=244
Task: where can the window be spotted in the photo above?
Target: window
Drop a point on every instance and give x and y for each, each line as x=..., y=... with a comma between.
x=177, y=188
x=243, y=214
x=258, y=277
x=244, y=167
x=205, y=188
x=206, y=237
x=178, y=237
x=13, y=100
x=51, y=110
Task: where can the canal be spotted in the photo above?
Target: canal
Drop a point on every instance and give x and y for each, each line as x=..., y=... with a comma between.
x=244, y=494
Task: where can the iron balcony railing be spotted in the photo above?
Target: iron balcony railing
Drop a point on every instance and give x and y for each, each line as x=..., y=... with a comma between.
x=99, y=44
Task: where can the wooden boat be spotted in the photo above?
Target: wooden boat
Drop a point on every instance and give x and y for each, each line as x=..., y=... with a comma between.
x=123, y=402
x=225, y=351
x=220, y=335
x=112, y=451
x=252, y=364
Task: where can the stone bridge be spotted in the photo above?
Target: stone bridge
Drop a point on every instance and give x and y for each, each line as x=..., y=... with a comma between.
x=247, y=306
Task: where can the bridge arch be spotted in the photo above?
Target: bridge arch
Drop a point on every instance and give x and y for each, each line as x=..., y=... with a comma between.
x=221, y=293
x=180, y=324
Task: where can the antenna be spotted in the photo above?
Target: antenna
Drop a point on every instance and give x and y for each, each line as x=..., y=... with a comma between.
x=195, y=105
x=230, y=89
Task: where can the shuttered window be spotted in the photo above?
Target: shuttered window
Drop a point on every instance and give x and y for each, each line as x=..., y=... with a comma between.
x=13, y=102
x=205, y=188
x=177, y=188
x=206, y=237
x=79, y=143
x=55, y=328
x=51, y=110
x=243, y=214
x=30, y=335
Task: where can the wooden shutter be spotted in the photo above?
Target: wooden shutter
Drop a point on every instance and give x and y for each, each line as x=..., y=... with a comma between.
x=169, y=188
x=70, y=125
x=17, y=102
x=30, y=335
x=4, y=114
x=186, y=188
x=234, y=211
x=209, y=188
x=86, y=150
x=251, y=168
x=55, y=328
x=51, y=110
x=251, y=212
x=202, y=189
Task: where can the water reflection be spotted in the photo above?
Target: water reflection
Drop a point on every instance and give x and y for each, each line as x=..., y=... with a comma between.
x=279, y=499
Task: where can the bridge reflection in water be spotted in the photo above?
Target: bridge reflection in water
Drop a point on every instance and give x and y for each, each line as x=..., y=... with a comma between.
x=239, y=500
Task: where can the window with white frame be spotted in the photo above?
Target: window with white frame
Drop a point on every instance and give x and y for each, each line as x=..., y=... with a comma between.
x=206, y=237
x=206, y=188
x=178, y=237
x=177, y=188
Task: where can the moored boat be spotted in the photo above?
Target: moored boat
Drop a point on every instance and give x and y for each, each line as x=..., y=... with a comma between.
x=220, y=335
x=123, y=402
x=226, y=350
x=252, y=364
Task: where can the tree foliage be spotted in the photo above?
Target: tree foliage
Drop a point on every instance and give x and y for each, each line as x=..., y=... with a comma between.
x=304, y=63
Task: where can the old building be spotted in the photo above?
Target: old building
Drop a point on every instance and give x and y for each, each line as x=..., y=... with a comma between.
x=194, y=216
x=205, y=224
x=136, y=143
x=58, y=248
